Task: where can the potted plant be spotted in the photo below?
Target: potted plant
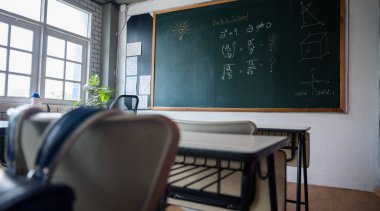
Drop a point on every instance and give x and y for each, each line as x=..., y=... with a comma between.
x=96, y=95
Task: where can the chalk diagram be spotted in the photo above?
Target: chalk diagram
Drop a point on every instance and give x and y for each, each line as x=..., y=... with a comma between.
x=180, y=29
x=314, y=46
x=313, y=82
x=308, y=18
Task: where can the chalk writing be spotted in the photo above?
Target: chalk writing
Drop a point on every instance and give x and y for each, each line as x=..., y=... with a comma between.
x=314, y=46
x=272, y=60
x=314, y=82
x=251, y=66
x=231, y=19
x=225, y=33
x=266, y=25
x=227, y=72
x=308, y=18
x=251, y=46
x=250, y=28
x=228, y=50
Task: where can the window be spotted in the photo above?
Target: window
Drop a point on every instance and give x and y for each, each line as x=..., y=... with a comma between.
x=18, y=58
x=64, y=67
x=75, y=21
x=30, y=8
x=53, y=63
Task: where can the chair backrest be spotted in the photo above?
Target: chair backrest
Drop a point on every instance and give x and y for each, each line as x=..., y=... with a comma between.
x=236, y=127
x=115, y=161
x=15, y=157
x=31, y=134
x=125, y=103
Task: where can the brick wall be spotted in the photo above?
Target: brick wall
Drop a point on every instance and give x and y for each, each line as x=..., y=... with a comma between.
x=96, y=34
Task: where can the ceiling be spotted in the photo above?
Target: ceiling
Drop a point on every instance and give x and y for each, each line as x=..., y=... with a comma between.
x=118, y=2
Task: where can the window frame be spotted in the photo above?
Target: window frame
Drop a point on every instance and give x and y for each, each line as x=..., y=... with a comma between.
x=84, y=73
x=39, y=74
x=35, y=57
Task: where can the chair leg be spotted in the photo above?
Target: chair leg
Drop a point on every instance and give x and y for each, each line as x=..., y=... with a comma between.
x=298, y=194
x=305, y=184
x=272, y=182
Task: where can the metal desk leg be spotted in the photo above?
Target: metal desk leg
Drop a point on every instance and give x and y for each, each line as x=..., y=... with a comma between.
x=299, y=158
x=272, y=182
x=2, y=149
x=248, y=189
x=304, y=166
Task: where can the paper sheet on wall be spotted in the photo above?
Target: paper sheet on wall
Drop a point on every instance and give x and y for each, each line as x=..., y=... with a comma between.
x=130, y=84
x=132, y=65
x=134, y=49
x=143, y=102
x=144, y=85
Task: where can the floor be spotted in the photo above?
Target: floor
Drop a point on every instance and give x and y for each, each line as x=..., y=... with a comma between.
x=337, y=199
x=330, y=199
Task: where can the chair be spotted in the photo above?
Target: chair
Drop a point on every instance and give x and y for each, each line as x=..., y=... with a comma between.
x=16, y=163
x=112, y=161
x=130, y=102
x=236, y=127
x=18, y=193
x=229, y=185
x=31, y=134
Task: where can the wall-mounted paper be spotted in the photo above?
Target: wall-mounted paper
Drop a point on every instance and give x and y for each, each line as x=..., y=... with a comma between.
x=144, y=85
x=134, y=49
x=130, y=84
x=143, y=102
x=132, y=65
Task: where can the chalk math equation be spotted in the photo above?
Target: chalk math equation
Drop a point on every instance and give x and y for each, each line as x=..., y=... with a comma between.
x=313, y=48
x=246, y=42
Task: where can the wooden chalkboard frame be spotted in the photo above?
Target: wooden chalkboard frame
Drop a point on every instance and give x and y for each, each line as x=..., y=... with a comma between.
x=342, y=69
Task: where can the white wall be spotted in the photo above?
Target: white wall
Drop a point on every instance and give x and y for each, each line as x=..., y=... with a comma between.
x=344, y=147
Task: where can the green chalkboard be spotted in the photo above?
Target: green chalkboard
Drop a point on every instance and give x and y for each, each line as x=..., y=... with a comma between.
x=253, y=55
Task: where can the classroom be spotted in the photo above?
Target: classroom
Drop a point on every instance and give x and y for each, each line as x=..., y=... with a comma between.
x=126, y=44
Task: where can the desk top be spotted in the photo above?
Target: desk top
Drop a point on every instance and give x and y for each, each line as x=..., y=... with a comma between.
x=283, y=128
x=229, y=146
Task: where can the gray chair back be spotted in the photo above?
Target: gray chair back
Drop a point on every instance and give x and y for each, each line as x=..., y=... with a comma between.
x=236, y=127
x=115, y=161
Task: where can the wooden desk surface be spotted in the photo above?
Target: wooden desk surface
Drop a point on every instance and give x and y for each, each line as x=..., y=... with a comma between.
x=229, y=146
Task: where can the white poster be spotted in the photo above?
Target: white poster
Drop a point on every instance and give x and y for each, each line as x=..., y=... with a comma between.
x=131, y=85
x=134, y=49
x=144, y=85
x=143, y=102
x=132, y=65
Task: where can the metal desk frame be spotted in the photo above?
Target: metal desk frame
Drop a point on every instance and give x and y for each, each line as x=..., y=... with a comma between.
x=249, y=160
x=3, y=129
x=299, y=132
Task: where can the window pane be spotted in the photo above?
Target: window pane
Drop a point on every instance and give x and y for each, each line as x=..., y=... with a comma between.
x=73, y=71
x=29, y=8
x=55, y=47
x=3, y=59
x=72, y=91
x=21, y=38
x=18, y=86
x=20, y=62
x=74, y=52
x=54, y=68
x=75, y=21
x=53, y=89
x=3, y=34
x=2, y=84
